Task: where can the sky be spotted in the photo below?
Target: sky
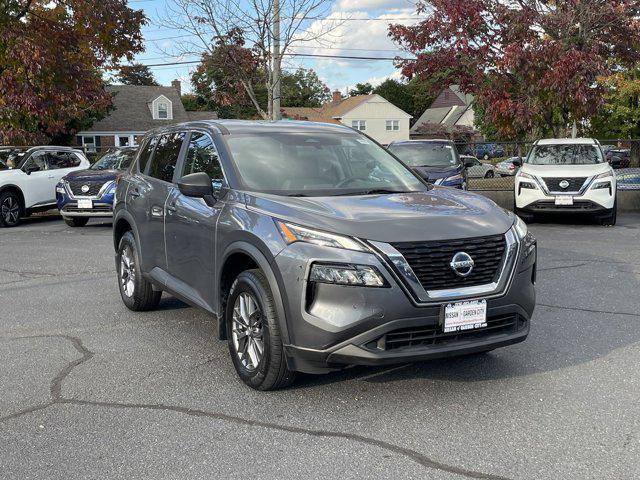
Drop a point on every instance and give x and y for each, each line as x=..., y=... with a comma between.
x=361, y=31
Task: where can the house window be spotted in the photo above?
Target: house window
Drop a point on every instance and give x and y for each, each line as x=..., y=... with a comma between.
x=89, y=143
x=359, y=125
x=163, y=110
x=393, y=125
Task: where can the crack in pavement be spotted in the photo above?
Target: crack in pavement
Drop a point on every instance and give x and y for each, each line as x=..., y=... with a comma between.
x=86, y=355
x=589, y=310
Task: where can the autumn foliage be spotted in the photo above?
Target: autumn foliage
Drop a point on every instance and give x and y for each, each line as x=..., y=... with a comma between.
x=52, y=55
x=532, y=65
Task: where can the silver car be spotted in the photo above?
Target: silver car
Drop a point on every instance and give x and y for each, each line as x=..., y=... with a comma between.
x=477, y=169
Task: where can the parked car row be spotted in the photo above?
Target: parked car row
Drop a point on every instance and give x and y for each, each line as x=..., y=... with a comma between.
x=42, y=178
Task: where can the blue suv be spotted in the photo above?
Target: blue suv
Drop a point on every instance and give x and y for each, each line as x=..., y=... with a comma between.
x=84, y=194
x=436, y=161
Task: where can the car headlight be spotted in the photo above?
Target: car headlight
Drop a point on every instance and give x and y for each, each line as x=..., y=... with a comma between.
x=295, y=233
x=60, y=188
x=602, y=180
x=520, y=228
x=362, y=275
x=111, y=189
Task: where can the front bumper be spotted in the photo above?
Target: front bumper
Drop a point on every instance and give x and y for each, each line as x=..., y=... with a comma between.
x=536, y=200
x=68, y=206
x=332, y=326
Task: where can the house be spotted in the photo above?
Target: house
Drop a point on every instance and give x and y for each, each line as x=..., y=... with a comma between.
x=137, y=109
x=452, y=108
x=372, y=114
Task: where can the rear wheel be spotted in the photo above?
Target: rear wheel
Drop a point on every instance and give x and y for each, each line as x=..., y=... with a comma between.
x=137, y=292
x=10, y=209
x=76, y=221
x=254, y=338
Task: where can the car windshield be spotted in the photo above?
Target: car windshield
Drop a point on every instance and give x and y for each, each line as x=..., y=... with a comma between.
x=423, y=154
x=116, y=160
x=318, y=164
x=565, y=155
x=11, y=158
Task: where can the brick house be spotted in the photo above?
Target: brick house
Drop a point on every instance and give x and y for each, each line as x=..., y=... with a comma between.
x=137, y=109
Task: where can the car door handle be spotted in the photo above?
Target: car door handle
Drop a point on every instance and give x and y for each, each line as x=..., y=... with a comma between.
x=156, y=211
x=134, y=193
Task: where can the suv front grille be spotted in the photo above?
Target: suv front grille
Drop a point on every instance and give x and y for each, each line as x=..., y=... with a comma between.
x=412, y=337
x=575, y=184
x=430, y=261
x=76, y=188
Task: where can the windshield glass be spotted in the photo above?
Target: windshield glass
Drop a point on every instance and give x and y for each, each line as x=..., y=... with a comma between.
x=11, y=158
x=565, y=155
x=318, y=164
x=116, y=160
x=423, y=154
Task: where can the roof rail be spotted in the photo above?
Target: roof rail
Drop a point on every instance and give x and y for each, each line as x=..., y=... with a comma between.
x=219, y=126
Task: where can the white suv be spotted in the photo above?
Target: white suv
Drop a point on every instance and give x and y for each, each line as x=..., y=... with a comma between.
x=28, y=178
x=566, y=175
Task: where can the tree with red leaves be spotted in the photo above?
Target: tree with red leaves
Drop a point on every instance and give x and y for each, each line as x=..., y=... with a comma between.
x=52, y=55
x=531, y=64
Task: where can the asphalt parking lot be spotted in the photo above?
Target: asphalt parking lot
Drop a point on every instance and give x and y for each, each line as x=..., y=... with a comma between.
x=91, y=390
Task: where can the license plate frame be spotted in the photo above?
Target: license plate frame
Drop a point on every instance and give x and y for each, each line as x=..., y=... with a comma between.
x=85, y=204
x=464, y=316
x=564, y=200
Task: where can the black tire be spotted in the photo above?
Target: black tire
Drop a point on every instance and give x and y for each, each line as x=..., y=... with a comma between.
x=137, y=294
x=489, y=174
x=10, y=210
x=76, y=221
x=271, y=371
x=610, y=220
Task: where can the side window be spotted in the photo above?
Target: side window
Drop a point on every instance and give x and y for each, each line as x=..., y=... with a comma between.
x=36, y=162
x=62, y=160
x=202, y=156
x=164, y=160
x=145, y=154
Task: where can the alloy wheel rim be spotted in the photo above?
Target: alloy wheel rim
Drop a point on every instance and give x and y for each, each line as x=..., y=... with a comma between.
x=247, y=331
x=127, y=272
x=10, y=211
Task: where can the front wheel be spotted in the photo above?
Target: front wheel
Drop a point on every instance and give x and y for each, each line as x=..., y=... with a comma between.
x=610, y=220
x=76, y=221
x=137, y=292
x=9, y=209
x=254, y=338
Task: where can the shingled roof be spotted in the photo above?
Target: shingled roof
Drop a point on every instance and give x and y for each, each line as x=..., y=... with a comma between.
x=330, y=112
x=132, y=110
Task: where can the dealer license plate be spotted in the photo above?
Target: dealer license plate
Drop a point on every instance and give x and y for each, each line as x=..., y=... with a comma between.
x=465, y=316
x=85, y=203
x=564, y=200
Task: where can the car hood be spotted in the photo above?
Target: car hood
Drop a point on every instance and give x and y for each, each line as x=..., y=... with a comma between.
x=439, y=214
x=93, y=175
x=4, y=174
x=434, y=173
x=565, y=170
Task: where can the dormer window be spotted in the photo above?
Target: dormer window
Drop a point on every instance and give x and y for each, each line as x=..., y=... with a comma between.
x=162, y=108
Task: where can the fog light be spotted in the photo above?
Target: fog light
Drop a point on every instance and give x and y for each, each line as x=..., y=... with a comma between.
x=363, y=275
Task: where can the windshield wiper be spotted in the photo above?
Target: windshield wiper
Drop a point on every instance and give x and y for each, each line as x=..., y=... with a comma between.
x=376, y=191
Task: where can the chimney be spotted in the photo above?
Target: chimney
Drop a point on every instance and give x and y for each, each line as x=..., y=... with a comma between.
x=176, y=84
x=336, y=96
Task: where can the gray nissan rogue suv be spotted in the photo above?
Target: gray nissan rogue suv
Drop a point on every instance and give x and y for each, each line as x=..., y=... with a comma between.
x=316, y=249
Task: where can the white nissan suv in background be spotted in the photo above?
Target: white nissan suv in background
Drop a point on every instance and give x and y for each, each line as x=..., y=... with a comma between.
x=28, y=178
x=566, y=175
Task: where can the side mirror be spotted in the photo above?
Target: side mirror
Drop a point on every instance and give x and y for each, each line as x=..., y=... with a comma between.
x=469, y=163
x=197, y=185
x=517, y=163
x=29, y=169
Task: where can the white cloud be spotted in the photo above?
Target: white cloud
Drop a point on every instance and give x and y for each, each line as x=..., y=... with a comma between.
x=364, y=5
x=375, y=81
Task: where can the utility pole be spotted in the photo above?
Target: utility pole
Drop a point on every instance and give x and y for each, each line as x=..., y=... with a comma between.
x=276, y=60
